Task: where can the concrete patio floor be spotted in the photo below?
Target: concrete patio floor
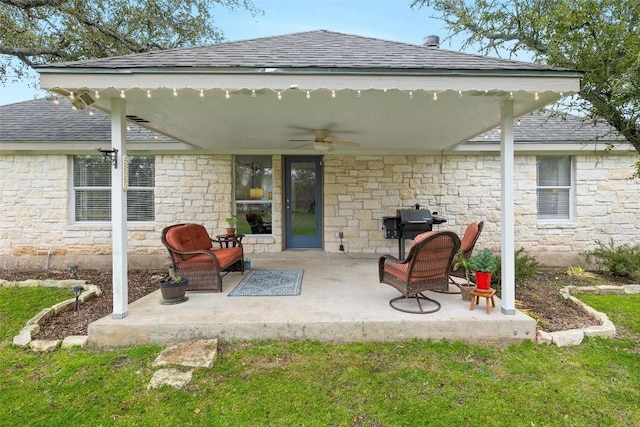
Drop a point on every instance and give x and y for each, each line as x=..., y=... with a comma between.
x=341, y=301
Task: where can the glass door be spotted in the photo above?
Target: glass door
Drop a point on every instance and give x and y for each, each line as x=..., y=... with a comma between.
x=303, y=202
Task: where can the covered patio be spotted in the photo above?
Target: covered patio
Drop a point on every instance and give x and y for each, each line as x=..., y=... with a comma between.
x=340, y=301
x=261, y=96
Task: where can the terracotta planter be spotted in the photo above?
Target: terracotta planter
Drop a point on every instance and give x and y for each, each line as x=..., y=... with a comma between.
x=174, y=293
x=231, y=231
x=483, y=280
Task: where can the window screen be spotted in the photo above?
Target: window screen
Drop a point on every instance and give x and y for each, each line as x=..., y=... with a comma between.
x=555, y=180
x=92, y=189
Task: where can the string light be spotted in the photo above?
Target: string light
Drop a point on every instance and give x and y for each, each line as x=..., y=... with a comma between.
x=308, y=95
x=459, y=94
x=226, y=94
x=72, y=96
x=74, y=108
x=359, y=94
x=175, y=92
x=410, y=95
x=510, y=95
x=536, y=97
x=201, y=93
x=435, y=96
x=96, y=94
x=56, y=101
x=90, y=111
x=122, y=95
x=279, y=95
x=253, y=93
x=333, y=93
x=148, y=94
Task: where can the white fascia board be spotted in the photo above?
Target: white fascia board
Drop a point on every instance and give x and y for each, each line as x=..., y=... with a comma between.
x=567, y=147
x=569, y=83
x=89, y=147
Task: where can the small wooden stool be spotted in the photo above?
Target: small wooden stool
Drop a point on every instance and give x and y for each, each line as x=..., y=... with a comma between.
x=486, y=293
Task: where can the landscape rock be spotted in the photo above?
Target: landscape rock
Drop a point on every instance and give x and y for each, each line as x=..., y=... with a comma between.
x=23, y=339
x=171, y=377
x=75, y=341
x=195, y=354
x=568, y=337
x=543, y=337
x=44, y=345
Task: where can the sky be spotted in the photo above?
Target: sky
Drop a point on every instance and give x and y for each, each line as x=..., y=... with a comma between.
x=385, y=19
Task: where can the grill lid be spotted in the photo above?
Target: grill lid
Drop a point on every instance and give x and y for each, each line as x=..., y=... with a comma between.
x=415, y=216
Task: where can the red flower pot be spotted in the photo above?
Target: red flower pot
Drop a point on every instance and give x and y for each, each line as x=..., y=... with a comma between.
x=483, y=280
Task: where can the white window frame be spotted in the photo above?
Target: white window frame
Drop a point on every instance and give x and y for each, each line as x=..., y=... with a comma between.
x=570, y=189
x=107, y=189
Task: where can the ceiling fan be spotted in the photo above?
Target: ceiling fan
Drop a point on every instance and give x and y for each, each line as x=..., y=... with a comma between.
x=323, y=141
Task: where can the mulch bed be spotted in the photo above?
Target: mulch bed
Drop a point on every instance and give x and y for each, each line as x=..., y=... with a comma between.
x=538, y=295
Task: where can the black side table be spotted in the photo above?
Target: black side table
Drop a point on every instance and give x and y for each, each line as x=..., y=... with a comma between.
x=229, y=241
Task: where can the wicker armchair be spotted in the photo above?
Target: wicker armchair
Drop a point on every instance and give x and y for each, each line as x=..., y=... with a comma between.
x=426, y=268
x=194, y=256
x=469, y=240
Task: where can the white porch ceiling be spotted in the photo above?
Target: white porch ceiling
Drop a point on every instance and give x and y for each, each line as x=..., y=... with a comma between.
x=380, y=120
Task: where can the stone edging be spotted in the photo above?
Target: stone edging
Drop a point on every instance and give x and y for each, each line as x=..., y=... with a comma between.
x=32, y=327
x=606, y=328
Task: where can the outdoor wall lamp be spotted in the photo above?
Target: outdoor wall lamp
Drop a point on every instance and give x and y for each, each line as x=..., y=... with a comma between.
x=77, y=290
x=111, y=155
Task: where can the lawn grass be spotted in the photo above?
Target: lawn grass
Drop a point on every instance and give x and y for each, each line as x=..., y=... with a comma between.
x=313, y=384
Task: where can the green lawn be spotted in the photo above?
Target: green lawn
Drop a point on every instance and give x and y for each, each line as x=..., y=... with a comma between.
x=313, y=384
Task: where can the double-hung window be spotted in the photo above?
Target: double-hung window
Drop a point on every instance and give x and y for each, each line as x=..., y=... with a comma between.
x=555, y=188
x=92, y=189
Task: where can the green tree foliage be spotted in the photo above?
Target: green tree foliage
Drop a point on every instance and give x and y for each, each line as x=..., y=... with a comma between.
x=37, y=32
x=598, y=37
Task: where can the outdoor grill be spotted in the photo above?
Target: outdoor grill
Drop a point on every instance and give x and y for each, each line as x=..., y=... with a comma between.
x=409, y=223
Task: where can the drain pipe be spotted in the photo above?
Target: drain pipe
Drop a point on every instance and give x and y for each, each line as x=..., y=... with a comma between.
x=48, y=259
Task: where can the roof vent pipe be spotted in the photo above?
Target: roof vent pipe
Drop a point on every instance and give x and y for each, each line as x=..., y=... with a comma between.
x=431, y=41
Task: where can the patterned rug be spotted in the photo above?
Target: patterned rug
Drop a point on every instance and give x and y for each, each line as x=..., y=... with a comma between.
x=269, y=283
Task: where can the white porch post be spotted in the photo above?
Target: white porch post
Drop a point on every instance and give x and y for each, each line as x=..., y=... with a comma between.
x=119, y=210
x=507, y=232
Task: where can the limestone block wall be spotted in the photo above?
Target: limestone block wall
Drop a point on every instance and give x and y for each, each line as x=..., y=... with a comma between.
x=360, y=190
x=36, y=225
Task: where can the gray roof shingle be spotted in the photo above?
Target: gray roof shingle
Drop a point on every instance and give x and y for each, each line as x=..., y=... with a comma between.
x=548, y=128
x=42, y=120
x=319, y=49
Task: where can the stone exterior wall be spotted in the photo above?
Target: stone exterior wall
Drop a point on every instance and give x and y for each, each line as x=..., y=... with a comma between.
x=36, y=228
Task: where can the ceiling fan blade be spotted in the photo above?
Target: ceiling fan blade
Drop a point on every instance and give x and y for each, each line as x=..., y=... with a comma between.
x=303, y=145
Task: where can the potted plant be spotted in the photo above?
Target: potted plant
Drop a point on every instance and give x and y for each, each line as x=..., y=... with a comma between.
x=173, y=289
x=231, y=221
x=461, y=261
x=483, y=263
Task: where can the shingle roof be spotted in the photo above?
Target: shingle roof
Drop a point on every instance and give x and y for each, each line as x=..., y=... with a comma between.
x=313, y=49
x=545, y=127
x=42, y=120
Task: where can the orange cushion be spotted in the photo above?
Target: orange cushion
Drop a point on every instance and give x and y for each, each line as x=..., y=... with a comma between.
x=469, y=235
x=189, y=237
x=402, y=270
x=226, y=257
x=420, y=237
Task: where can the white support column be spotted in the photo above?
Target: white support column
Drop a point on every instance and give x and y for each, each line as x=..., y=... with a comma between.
x=508, y=218
x=119, y=210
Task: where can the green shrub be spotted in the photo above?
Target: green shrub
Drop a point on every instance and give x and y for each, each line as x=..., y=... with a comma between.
x=621, y=261
x=525, y=266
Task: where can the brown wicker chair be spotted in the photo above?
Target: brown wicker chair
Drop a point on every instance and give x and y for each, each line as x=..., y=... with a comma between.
x=426, y=268
x=194, y=256
x=469, y=240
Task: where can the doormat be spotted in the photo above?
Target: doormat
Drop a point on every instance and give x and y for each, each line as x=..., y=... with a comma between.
x=269, y=283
